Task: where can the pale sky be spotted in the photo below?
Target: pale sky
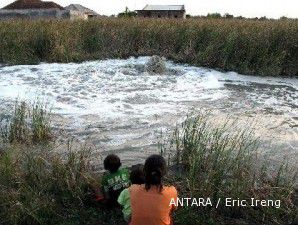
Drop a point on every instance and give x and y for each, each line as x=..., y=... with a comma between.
x=247, y=8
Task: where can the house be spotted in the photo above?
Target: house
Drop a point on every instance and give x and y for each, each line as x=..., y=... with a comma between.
x=78, y=11
x=32, y=4
x=162, y=11
x=33, y=9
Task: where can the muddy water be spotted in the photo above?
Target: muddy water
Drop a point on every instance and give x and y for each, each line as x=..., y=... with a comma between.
x=117, y=107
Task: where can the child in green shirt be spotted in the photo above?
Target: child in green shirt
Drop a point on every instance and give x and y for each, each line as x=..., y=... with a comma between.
x=136, y=177
x=114, y=180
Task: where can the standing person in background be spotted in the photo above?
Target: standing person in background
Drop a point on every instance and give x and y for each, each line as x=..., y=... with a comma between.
x=115, y=180
x=150, y=203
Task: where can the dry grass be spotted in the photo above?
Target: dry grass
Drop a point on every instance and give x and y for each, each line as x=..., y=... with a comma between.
x=29, y=123
x=39, y=186
x=247, y=46
x=222, y=162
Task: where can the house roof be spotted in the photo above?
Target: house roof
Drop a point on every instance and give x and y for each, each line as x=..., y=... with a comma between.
x=163, y=7
x=33, y=4
x=80, y=8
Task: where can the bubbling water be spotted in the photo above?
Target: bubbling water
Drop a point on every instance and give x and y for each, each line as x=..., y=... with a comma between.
x=121, y=107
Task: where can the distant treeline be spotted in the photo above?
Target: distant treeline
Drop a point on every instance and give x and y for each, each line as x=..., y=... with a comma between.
x=230, y=16
x=261, y=47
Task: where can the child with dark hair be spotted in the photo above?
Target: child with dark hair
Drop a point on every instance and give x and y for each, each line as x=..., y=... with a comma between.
x=151, y=202
x=114, y=180
x=136, y=177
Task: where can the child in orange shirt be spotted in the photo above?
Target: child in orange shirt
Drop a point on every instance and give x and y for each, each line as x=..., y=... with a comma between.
x=150, y=203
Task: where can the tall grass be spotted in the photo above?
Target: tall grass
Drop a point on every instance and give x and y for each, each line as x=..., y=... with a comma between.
x=250, y=47
x=40, y=123
x=29, y=123
x=221, y=161
x=38, y=186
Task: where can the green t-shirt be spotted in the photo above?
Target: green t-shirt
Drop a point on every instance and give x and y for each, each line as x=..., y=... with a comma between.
x=116, y=182
x=124, y=201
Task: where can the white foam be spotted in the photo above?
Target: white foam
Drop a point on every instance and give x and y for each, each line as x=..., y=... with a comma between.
x=116, y=89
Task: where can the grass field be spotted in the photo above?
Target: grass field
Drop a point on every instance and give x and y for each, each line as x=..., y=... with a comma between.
x=41, y=186
x=268, y=47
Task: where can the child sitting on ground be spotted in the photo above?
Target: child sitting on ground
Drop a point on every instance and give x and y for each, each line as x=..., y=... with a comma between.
x=136, y=177
x=114, y=180
x=151, y=202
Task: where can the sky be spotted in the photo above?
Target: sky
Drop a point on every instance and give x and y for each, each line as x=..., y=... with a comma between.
x=246, y=8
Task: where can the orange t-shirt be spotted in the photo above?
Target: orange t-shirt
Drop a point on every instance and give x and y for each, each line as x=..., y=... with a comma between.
x=151, y=207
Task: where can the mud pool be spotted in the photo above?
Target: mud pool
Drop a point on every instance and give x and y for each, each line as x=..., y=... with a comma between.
x=117, y=107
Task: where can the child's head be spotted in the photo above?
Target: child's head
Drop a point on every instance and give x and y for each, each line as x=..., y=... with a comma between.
x=154, y=169
x=137, y=175
x=112, y=163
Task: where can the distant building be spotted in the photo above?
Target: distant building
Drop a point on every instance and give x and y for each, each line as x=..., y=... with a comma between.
x=33, y=9
x=162, y=11
x=80, y=12
x=32, y=4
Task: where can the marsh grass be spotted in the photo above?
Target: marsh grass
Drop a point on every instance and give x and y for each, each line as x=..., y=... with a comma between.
x=40, y=123
x=221, y=161
x=29, y=123
x=38, y=186
x=246, y=46
x=42, y=186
